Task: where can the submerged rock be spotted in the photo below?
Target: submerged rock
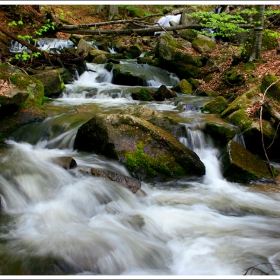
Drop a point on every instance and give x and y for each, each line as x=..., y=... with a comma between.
x=65, y=162
x=148, y=151
x=132, y=184
x=240, y=165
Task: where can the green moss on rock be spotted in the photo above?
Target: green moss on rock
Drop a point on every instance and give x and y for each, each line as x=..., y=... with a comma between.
x=215, y=106
x=273, y=91
x=240, y=119
x=183, y=87
x=34, y=87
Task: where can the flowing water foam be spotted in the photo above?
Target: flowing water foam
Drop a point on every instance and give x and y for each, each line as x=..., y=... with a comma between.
x=69, y=222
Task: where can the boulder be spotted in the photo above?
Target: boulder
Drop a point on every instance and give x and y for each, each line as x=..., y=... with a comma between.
x=164, y=93
x=65, y=162
x=84, y=47
x=240, y=165
x=132, y=184
x=156, y=118
x=52, y=81
x=273, y=91
x=220, y=132
x=183, y=87
x=14, y=96
x=31, y=110
x=143, y=94
x=203, y=44
x=147, y=151
x=141, y=75
x=215, y=106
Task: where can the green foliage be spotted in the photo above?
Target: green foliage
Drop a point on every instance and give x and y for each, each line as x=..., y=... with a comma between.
x=45, y=28
x=15, y=23
x=225, y=25
x=25, y=56
x=135, y=11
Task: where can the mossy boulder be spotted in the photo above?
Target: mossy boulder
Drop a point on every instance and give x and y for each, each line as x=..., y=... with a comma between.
x=141, y=75
x=240, y=165
x=143, y=94
x=172, y=56
x=184, y=70
x=220, y=132
x=203, y=44
x=134, y=51
x=240, y=119
x=52, y=81
x=146, y=150
x=30, y=110
x=183, y=87
x=242, y=102
x=194, y=82
x=149, y=114
x=215, y=106
x=274, y=90
x=237, y=75
x=187, y=34
x=254, y=138
x=95, y=54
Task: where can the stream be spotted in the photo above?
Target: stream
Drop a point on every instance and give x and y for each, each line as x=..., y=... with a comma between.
x=66, y=222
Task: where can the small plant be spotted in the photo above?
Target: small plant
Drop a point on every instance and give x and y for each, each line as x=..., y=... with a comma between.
x=49, y=25
x=10, y=24
x=25, y=56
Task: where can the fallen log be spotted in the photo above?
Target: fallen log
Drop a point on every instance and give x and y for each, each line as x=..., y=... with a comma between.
x=23, y=42
x=140, y=31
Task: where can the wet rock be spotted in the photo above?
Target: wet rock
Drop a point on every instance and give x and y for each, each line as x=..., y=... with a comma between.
x=240, y=165
x=52, y=81
x=221, y=132
x=149, y=114
x=65, y=162
x=132, y=184
x=183, y=87
x=147, y=151
x=164, y=93
x=141, y=75
x=215, y=106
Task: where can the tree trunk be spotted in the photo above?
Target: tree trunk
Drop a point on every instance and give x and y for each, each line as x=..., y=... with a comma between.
x=257, y=37
x=113, y=11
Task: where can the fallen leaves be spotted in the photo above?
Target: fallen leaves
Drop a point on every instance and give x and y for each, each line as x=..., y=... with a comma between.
x=5, y=86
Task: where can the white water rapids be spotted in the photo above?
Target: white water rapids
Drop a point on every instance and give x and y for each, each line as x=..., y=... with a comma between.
x=60, y=222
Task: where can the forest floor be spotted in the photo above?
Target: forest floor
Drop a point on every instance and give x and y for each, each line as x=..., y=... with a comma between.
x=86, y=14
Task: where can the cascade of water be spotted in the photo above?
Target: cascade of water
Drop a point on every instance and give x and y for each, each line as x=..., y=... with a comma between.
x=165, y=20
x=112, y=50
x=57, y=221
x=17, y=47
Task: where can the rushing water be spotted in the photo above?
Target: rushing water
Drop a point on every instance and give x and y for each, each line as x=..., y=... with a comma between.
x=60, y=222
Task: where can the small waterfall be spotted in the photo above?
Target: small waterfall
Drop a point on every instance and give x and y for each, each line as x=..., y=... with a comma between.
x=112, y=50
x=17, y=47
x=164, y=21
